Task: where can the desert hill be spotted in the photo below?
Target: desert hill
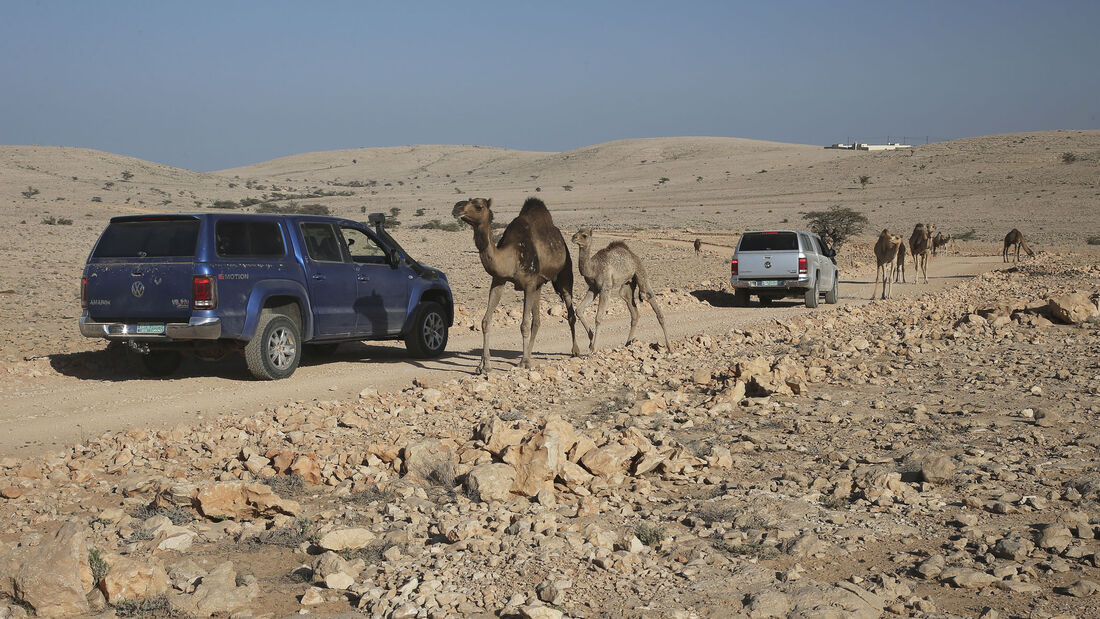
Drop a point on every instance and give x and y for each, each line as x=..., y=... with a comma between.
x=1046, y=181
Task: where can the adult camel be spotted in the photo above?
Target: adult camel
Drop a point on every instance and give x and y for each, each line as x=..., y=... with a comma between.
x=531, y=252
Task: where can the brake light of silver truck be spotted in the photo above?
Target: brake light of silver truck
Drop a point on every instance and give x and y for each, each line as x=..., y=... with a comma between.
x=802, y=266
x=204, y=293
x=83, y=293
x=733, y=267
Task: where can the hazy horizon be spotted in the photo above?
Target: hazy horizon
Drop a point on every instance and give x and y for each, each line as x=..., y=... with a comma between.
x=208, y=85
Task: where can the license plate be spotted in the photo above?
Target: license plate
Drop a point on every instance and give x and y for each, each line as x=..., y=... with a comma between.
x=150, y=329
x=768, y=282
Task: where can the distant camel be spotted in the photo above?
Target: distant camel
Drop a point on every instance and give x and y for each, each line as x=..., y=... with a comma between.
x=920, y=246
x=939, y=241
x=1015, y=237
x=899, y=265
x=886, y=249
x=698, y=245
x=613, y=269
x=531, y=252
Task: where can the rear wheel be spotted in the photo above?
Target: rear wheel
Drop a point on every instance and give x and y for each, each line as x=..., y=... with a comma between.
x=765, y=301
x=428, y=335
x=161, y=362
x=741, y=297
x=811, y=295
x=832, y=295
x=276, y=349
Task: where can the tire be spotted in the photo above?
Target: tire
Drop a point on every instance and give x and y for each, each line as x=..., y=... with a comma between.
x=161, y=362
x=427, y=337
x=833, y=294
x=274, y=352
x=741, y=297
x=811, y=295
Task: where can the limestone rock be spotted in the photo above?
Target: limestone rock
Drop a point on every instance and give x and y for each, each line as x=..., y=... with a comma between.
x=133, y=579
x=1073, y=308
x=218, y=593
x=608, y=460
x=346, y=539
x=937, y=469
x=52, y=578
x=490, y=482
x=242, y=501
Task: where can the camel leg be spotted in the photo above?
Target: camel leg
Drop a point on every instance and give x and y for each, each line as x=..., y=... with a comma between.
x=588, y=298
x=652, y=299
x=536, y=319
x=529, y=302
x=874, y=290
x=626, y=292
x=494, y=299
x=924, y=266
x=571, y=314
x=601, y=307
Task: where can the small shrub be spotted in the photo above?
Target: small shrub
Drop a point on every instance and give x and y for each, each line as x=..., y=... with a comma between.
x=969, y=235
x=864, y=180
x=287, y=486
x=64, y=221
x=228, y=204
x=419, y=212
x=1068, y=158
x=650, y=535
x=127, y=175
x=30, y=192
x=98, y=564
x=1093, y=240
x=97, y=199
x=49, y=221
x=435, y=224
x=156, y=606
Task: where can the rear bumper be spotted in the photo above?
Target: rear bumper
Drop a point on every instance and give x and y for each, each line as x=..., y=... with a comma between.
x=802, y=283
x=201, y=328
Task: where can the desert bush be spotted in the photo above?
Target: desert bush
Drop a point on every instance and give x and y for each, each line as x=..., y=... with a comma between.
x=246, y=202
x=97, y=199
x=420, y=212
x=836, y=225
x=864, y=180
x=98, y=565
x=650, y=535
x=226, y=204
x=30, y=192
x=1068, y=157
x=287, y=486
x=155, y=606
x=435, y=224
x=1093, y=240
x=127, y=175
x=969, y=235
x=178, y=515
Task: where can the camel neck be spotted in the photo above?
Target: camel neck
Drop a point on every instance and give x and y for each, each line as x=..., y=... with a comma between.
x=584, y=252
x=486, y=248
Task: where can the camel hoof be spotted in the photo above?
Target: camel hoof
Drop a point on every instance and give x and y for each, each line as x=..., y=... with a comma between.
x=483, y=369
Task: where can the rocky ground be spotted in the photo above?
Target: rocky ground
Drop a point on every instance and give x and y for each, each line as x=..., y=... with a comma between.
x=931, y=457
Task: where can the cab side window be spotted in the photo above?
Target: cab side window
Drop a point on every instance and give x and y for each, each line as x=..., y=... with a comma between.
x=363, y=247
x=321, y=242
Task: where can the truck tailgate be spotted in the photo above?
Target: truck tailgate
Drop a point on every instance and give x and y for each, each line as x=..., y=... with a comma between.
x=767, y=265
x=149, y=291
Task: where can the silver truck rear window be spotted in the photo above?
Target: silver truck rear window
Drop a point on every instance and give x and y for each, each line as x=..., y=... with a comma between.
x=768, y=241
x=148, y=239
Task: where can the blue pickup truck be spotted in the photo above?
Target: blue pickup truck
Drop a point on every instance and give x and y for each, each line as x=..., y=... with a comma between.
x=212, y=284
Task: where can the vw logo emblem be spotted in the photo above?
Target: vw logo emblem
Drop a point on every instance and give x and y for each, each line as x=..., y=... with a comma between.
x=137, y=289
x=767, y=265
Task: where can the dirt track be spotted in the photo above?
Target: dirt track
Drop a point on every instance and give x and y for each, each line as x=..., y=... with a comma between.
x=73, y=396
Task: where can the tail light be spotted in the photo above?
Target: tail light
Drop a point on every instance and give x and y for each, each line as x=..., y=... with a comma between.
x=733, y=267
x=83, y=293
x=204, y=293
x=802, y=266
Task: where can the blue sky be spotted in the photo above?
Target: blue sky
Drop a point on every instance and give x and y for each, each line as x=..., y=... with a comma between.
x=212, y=85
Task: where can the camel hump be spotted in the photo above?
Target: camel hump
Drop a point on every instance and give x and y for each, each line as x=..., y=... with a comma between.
x=617, y=244
x=534, y=209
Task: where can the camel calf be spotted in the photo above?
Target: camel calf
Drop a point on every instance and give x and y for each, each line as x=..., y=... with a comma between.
x=886, y=249
x=613, y=269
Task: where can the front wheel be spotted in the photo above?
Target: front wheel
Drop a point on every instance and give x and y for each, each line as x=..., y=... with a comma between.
x=832, y=295
x=275, y=350
x=428, y=335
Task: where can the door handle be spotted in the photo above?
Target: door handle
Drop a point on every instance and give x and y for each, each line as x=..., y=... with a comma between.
x=363, y=278
x=318, y=276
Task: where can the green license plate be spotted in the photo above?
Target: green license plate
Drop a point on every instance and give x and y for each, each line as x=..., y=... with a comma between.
x=768, y=282
x=150, y=329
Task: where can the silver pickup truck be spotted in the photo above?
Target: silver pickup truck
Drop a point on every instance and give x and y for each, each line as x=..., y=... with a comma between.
x=775, y=264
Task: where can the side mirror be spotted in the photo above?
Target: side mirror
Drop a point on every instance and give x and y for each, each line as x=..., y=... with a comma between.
x=830, y=253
